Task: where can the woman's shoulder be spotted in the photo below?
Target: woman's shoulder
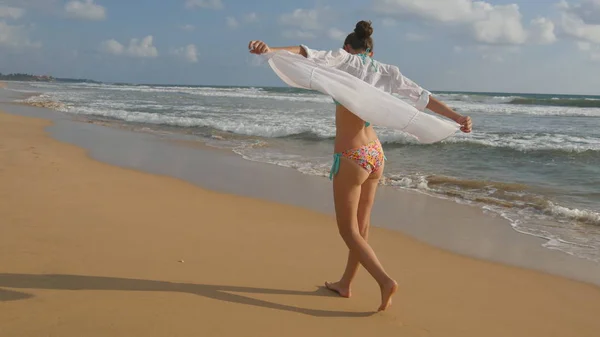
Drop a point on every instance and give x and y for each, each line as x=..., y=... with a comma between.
x=330, y=57
x=313, y=51
x=388, y=69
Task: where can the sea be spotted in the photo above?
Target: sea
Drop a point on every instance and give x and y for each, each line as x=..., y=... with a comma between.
x=533, y=159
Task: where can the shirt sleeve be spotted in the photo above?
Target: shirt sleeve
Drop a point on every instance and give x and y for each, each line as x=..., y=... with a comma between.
x=402, y=85
x=331, y=58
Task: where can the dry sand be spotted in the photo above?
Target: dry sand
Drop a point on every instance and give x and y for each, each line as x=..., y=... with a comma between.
x=89, y=249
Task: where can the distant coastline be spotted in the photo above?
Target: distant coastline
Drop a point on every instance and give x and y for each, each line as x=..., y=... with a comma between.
x=42, y=78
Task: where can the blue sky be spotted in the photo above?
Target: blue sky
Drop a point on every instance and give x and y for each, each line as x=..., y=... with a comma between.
x=511, y=46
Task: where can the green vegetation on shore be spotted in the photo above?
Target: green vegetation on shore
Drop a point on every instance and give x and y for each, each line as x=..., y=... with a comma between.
x=40, y=78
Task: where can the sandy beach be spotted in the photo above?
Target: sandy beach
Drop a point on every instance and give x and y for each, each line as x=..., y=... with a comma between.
x=91, y=249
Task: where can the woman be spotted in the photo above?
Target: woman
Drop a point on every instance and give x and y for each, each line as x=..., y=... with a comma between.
x=359, y=159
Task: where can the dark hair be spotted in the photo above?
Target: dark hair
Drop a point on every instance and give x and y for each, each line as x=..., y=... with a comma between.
x=361, y=39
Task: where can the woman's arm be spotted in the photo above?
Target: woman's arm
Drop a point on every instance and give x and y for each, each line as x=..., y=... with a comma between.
x=259, y=47
x=423, y=99
x=440, y=108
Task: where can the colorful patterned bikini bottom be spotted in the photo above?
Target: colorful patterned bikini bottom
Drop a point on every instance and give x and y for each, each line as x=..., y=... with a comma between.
x=369, y=156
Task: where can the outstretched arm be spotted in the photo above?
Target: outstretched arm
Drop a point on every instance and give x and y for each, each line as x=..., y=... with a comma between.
x=440, y=108
x=259, y=47
x=331, y=58
x=423, y=99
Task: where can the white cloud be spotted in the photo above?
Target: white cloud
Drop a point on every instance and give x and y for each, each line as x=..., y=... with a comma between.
x=209, y=4
x=232, y=22
x=188, y=53
x=143, y=48
x=45, y=5
x=305, y=19
x=137, y=48
x=485, y=23
x=248, y=18
x=187, y=28
x=251, y=17
x=592, y=50
x=15, y=37
x=8, y=12
x=449, y=11
x=112, y=46
x=85, y=10
x=562, y=4
x=542, y=31
x=308, y=23
x=584, y=46
x=573, y=24
x=587, y=10
x=581, y=22
x=337, y=34
x=499, y=25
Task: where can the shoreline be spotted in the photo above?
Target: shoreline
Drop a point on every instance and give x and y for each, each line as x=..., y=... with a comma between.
x=96, y=249
x=475, y=233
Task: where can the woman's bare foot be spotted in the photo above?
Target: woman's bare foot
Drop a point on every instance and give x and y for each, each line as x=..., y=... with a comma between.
x=387, y=291
x=339, y=289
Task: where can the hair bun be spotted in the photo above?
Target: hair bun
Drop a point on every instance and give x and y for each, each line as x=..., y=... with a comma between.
x=363, y=29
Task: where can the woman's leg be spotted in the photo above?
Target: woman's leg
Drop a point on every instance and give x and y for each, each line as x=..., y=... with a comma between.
x=346, y=193
x=365, y=205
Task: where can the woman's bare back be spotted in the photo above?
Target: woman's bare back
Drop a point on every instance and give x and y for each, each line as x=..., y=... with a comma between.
x=351, y=131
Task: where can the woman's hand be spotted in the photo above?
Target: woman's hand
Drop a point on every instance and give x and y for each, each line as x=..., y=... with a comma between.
x=465, y=124
x=440, y=108
x=258, y=47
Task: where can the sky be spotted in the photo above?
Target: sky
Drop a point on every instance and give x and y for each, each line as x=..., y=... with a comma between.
x=459, y=45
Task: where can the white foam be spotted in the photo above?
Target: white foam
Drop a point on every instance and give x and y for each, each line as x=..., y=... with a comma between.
x=418, y=182
x=226, y=92
x=529, y=142
x=466, y=98
x=585, y=216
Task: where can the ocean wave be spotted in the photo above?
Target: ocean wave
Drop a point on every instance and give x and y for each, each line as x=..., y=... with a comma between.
x=306, y=126
x=498, y=194
x=517, y=142
x=300, y=129
x=43, y=101
x=531, y=142
x=225, y=92
x=140, y=117
x=520, y=99
x=310, y=135
x=253, y=93
x=583, y=216
x=475, y=98
x=303, y=131
x=555, y=101
x=531, y=110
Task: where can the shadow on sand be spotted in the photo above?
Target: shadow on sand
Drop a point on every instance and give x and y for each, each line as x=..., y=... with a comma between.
x=222, y=293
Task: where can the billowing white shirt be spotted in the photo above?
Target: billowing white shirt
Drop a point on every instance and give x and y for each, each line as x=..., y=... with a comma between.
x=383, y=76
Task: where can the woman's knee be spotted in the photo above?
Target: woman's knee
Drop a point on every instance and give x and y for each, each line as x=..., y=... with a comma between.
x=350, y=235
x=363, y=229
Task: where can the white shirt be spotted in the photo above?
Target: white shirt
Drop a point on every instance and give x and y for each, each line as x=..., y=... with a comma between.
x=383, y=76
